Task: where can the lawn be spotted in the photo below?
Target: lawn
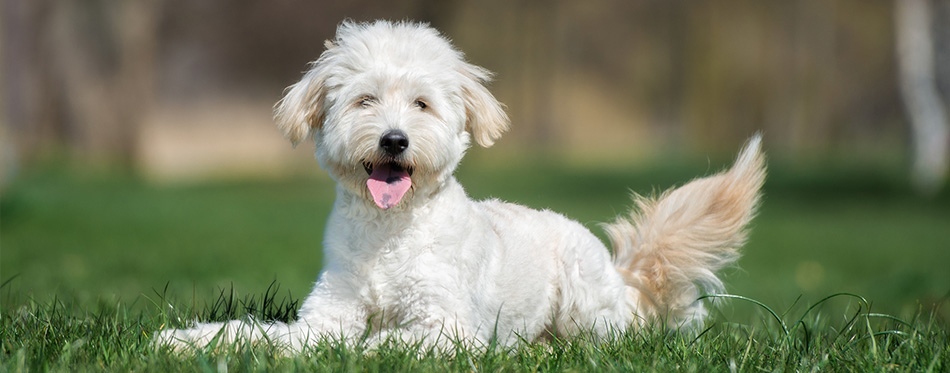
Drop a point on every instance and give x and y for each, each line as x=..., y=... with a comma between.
x=92, y=264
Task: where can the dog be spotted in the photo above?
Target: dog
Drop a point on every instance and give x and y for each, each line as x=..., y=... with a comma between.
x=392, y=108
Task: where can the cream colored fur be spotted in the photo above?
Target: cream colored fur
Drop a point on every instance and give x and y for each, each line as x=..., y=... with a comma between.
x=439, y=267
x=671, y=246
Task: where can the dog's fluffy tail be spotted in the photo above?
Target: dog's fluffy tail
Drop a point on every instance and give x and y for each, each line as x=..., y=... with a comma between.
x=669, y=249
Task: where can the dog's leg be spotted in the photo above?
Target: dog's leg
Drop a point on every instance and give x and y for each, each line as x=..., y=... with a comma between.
x=322, y=316
x=671, y=246
x=590, y=292
x=294, y=336
x=439, y=334
x=219, y=333
x=326, y=314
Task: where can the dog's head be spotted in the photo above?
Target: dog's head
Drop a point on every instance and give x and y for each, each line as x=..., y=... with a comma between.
x=391, y=107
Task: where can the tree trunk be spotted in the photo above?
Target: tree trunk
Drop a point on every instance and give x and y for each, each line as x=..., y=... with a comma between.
x=928, y=117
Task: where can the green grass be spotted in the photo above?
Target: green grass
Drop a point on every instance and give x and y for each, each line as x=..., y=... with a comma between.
x=55, y=336
x=92, y=265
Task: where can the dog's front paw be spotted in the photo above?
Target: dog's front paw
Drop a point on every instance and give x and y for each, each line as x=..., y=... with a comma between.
x=186, y=339
x=173, y=339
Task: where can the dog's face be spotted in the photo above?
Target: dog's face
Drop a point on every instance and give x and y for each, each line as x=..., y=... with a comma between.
x=392, y=108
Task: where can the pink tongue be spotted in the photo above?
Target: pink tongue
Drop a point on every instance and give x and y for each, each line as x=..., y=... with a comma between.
x=388, y=185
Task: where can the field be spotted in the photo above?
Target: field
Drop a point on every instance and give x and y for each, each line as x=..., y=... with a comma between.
x=92, y=263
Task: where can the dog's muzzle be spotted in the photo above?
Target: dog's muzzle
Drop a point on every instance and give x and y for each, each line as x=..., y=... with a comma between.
x=389, y=180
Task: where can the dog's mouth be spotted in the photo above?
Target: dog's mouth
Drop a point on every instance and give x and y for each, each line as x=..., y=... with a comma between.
x=394, y=166
x=388, y=182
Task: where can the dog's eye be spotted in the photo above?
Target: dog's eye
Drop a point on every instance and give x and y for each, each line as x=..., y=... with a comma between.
x=366, y=101
x=421, y=104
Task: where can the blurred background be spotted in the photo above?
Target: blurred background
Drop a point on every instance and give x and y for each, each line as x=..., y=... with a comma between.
x=137, y=148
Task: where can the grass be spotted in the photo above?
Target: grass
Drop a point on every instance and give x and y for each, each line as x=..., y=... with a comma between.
x=54, y=336
x=92, y=265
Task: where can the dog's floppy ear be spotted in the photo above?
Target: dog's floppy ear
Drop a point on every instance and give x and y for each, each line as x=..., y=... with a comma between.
x=485, y=117
x=303, y=108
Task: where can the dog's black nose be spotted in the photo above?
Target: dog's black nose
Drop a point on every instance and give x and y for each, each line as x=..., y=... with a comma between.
x=394, y=142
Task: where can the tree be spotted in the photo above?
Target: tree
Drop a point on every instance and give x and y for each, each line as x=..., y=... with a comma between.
x=928, y=116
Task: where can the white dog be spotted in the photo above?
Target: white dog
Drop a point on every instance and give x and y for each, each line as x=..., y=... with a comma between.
x=392, y=108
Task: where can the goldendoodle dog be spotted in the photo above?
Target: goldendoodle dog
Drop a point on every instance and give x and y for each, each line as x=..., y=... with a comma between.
x=392, y=108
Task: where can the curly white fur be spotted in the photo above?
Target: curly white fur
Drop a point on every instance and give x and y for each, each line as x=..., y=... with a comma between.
x=438, y=267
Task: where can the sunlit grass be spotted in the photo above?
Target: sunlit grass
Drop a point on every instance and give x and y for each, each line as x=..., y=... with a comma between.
x=59, y=336
x=91, y=266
